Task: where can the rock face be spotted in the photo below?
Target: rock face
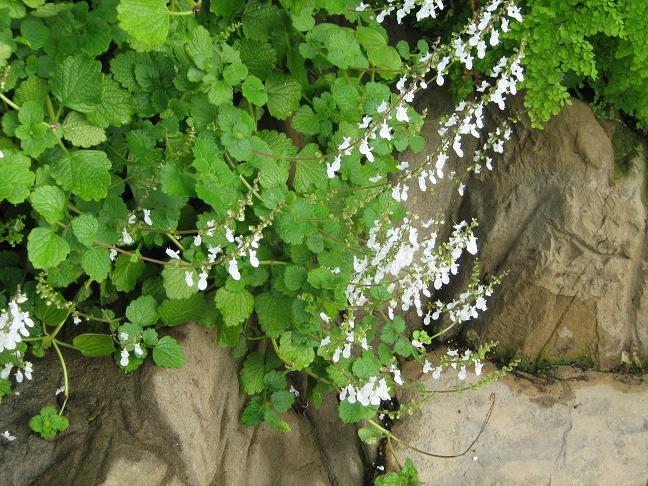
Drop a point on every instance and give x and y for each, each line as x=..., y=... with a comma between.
x=170, y=427
x=569, y=228
x=574, y=241
x=570, y=428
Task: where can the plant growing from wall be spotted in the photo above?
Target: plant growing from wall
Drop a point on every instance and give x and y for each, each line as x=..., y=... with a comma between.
x=236, y=164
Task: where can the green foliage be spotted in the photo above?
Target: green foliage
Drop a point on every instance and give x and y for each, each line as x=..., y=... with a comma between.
x=166, y=163
x=408, y=476
x=48, y=423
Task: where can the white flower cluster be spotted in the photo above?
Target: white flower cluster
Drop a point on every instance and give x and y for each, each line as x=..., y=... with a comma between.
x=371, y=393
x=24, y=370
x=394, y=254
x=127, y=341
x=427, y=8
x=455, y=361
x=14, y=323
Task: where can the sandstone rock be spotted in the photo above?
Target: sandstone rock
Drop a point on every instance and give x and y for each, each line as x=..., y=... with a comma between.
x=568, y=428
x=573, y=239
x=570, y=230
x=159, y=427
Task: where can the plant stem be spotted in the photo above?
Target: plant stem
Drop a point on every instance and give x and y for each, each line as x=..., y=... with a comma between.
x=9, y=102
x=66, y=383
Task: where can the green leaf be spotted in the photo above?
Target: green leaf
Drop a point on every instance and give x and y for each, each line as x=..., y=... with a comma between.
x=96, y=263
x=355, y=412
x=34, y=134
x=146, y=21
x=85, y=228
x=371, y=37
x=366, y=367
x=115, y=108
x=76, y=83
x=251, y=375
x=385, y=57
x=85, y=173
x=392, y=330
x=180, y=311
x=48, y=422
x=142, y=311
x=126, y=273
x=94, y=345
x=275, y=380
x=254, y=411
x=294, y=277
x=309, y=174
x=298, y=356
x=306, y=121
x=16, y=179
x=220, y=93
x=80, y=133
x=370, y=435
x=254, y=91
x=174, y=282
x=45, y=248
x=284, y=94
x=274, y=312
x=49, y=202
x=167, y=353
x=282, y=400
x=344, y=50
x=236, y=306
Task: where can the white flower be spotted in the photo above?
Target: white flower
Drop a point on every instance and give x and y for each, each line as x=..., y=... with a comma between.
x=461, y=188
x=462, y=373
x=202, y=280
x=362, y=7
x=4, y=374
x=29, y=368
x=382, y=107
x=197, y=240
x=132, y=218
x=123, y=336
x=229, y=235
x=514, y=12
x=1, y=154
x=124, y=358
x=397, y=374
x=453, y=352
x=76, y=320
x=401, y=113
x=345, y=146
x=59, y=390
x=366, y=120
x=478, y=367
x=113, y=254
x=254, y=261
x=346, y=352
x=436, y=374
x=127, y=239
x=189, y=278
x=418, y=344
x=6, y=435
x=336, y=354
x=173, y=254
x=14, y=323
x=385, y=130
x=138, y=350
x=366, y=150
x=325, y=341
x=494, y=38
x=401, y=83
x=472, y=245
x=213, y=252
x=333, y=167
x=505, y=24
x=147, y=217
x=294, y=391
x=325, y=317
x=233, y=270
x=427, y=367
